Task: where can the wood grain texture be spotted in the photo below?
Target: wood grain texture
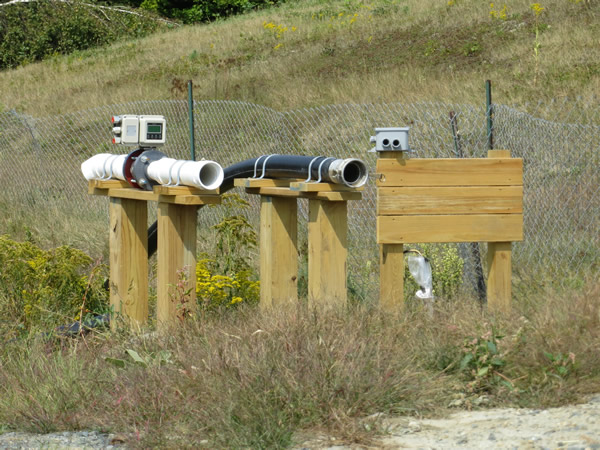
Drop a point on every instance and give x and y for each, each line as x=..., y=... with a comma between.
x=450, y=228
x=176, y=252
x=450, y=172
x=278, y=251
x=391, y=277
x=499, y=295
x=327, y=252
x=449, y=200
x=128, y=243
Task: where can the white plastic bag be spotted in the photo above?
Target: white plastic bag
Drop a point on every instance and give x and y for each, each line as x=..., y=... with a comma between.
x=420, y=269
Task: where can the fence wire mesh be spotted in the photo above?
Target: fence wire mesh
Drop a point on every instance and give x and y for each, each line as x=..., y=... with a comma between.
x=40, y=162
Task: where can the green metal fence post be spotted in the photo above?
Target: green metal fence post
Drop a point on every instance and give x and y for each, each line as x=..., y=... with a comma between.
x=488, y=113
x=191, y=114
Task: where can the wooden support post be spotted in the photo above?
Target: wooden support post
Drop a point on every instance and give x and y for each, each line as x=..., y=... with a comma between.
x=176, y=252
x=391, y=277
x=327, y=252
x=391, y=264
x=128, y=244
x=278, y=251
x=499, y=276
x=499, y=293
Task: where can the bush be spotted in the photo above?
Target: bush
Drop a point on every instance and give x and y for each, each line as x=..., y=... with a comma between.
x=229, y=278
x=41, y=288
x=190, y=11
x=34, y=31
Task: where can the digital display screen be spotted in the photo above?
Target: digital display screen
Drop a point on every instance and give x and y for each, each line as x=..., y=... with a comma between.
x=154, y=128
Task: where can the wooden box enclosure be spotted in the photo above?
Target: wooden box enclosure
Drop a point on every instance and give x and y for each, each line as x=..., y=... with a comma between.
x=449, y=200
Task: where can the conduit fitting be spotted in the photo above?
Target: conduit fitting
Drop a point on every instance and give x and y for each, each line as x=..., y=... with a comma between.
x=103, y=167
x=351, y=172
x=202, y=174
x=146, y=168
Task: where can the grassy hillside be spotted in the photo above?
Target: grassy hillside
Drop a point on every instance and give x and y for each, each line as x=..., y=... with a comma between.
x=315, y=52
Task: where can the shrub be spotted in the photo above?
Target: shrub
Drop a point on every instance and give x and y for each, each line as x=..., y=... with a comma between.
x=190, y=11
x=47, y=287
x=446, y=267
x=33, y=31
x=229, y=279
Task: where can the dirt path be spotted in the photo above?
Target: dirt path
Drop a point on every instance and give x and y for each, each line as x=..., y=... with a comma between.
x=569, y=427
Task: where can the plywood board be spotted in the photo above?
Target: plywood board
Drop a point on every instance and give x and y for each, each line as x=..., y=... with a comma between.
x=450, y=228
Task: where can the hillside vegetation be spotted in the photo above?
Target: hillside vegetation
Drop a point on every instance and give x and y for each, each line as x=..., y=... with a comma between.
x=315, y=52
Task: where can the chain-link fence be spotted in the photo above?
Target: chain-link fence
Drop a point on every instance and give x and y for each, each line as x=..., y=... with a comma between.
x=40, y=166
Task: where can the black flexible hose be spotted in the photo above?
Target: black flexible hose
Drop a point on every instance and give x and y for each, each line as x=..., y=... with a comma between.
x=276, y=166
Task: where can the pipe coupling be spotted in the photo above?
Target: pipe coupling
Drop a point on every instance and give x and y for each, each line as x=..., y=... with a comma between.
x=350, y=172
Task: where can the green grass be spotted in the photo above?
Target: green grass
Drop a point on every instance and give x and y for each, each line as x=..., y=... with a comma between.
x=257, y=379
x=392, y=50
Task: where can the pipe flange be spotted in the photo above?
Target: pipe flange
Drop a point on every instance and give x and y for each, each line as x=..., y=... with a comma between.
x=139, y=168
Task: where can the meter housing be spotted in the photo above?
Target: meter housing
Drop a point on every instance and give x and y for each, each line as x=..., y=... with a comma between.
x=142, y=131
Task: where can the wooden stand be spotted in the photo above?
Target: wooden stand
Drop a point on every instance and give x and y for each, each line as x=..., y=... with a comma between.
x=327, y=239
x=449, y=200
x=177, y=207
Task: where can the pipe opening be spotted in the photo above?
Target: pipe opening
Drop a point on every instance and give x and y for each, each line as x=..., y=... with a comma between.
x=211, y=175
x=352, y=173
x=386, y=142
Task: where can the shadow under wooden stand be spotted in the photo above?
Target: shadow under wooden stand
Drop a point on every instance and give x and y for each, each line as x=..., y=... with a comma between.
x=128, y=244
x=327, y=239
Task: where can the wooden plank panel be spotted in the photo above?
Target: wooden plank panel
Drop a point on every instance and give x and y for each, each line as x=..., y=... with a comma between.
x=450, y=228
x=190, y=199
x=262, y=182
x=450, y=200
x=132, y=193
x=285, y=192
x=182, y=190
x=450, y=172
x=278, y=251
x=128, y=243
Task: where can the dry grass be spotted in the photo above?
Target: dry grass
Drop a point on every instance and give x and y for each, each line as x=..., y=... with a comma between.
x=256, y=379
x=393, y=51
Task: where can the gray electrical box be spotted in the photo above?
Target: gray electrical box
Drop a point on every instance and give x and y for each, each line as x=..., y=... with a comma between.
x=390, y=140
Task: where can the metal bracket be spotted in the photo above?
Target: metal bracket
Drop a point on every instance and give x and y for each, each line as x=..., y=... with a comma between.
x=320, y=166
x=264, y=167
x=310, y=168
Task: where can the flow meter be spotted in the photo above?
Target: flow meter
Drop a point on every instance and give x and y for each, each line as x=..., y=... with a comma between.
x=142, y=131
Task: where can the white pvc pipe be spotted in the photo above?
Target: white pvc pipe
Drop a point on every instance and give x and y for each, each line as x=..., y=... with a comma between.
x=202, y=174
x=104, y=166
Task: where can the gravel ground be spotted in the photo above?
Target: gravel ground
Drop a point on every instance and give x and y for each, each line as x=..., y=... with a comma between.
x=575, y=427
